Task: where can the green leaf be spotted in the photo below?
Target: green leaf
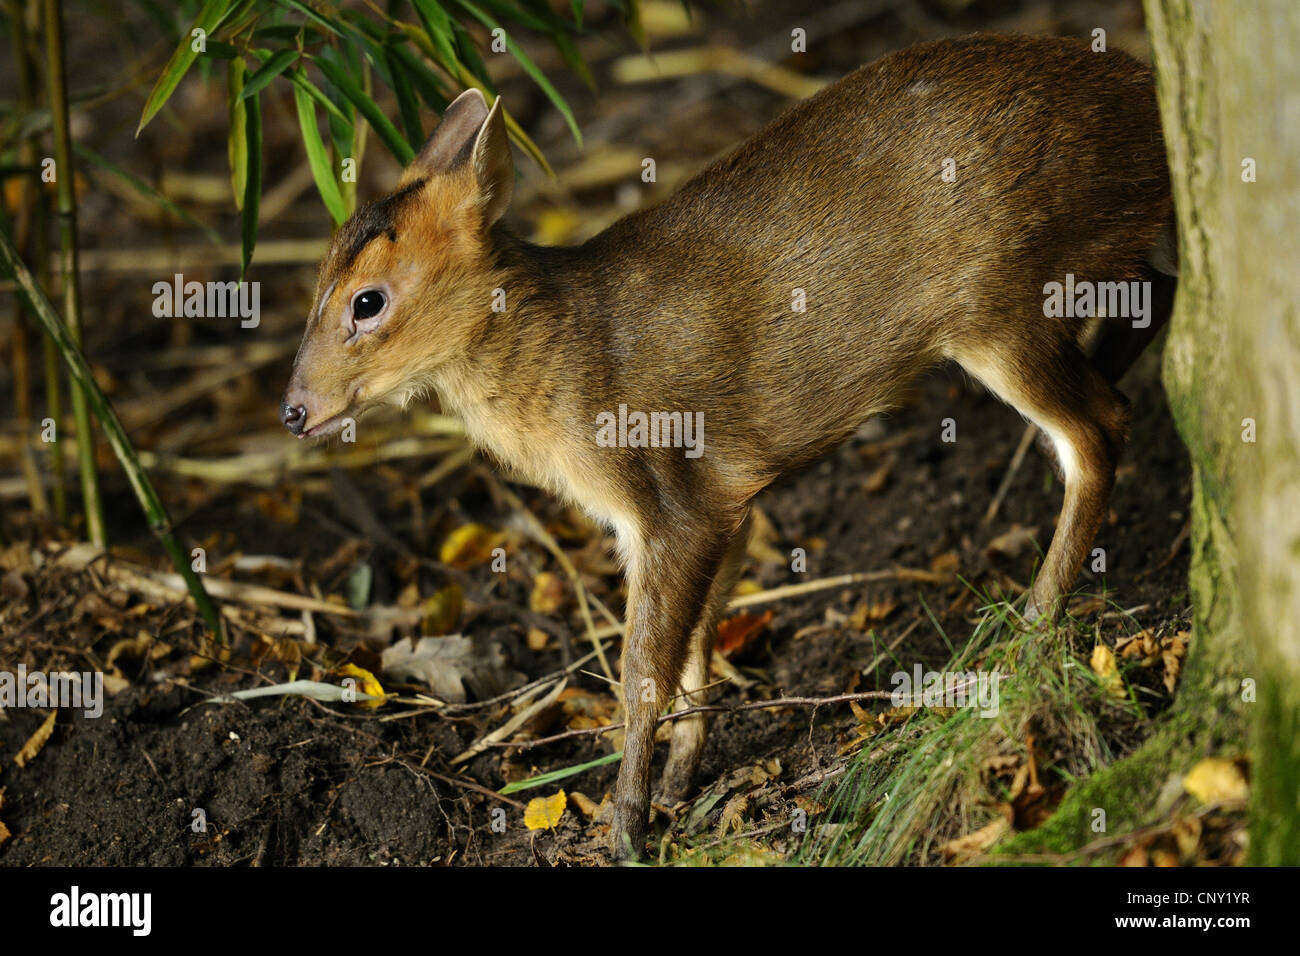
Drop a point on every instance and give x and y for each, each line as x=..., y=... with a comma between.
x=542, y=779
x=438, y=26
x=253, y=182
x=237, y=137
x=529, y=67
x=220, y=50
x=408, y=106
x=268, y=71
x=380, y=123
x=181, y=60
x=316, y=156
x=425, y=81
x=299, y=79
x=145, y=190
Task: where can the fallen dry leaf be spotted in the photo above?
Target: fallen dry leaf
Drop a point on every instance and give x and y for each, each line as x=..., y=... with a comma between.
x=1215, y=780
x=878, y=478
x=736, y=633
x=733, y=813
x=469, y=545
x=584, y=804
x=543, y=813
x=866, y=614
x=451, y=666
x=1103, y=665
x=367, y=683
x=1012, y=543
x=1173, y=651
x=946, y=564
x=36, y=741
x=440, y=613
x=547, y=596
x=972, y=844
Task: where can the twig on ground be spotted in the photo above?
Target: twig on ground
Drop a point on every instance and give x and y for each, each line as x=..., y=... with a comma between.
x=1017, y=460
x=553, y=546
x=704, y=709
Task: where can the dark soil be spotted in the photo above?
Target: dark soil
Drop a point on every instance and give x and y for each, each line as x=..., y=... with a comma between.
x=294, y=782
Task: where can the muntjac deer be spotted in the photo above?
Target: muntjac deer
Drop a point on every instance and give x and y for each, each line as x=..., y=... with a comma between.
x=665, y=372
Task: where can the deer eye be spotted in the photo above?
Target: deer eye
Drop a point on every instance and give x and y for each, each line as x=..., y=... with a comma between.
x=368, y=303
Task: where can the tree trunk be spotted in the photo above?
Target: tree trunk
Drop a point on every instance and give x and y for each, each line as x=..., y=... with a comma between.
x=1229, y=87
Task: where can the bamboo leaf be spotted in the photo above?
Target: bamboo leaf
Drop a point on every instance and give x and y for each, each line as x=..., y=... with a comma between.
x=181, y=60
x=300, y=81
x=252, y=184
x=316, y=155
x=380, y=123
x=268, y=71
x=237, y=137
x=528, y=67
x=407, y=104
x=438, y=26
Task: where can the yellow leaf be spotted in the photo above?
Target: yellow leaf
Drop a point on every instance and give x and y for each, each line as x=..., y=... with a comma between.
x=1216, y=780
x=36, y=741
x=543, y=813
x=468, y=545
x=441, y=611
x=548, y=593
x=1103, y=665
x=368, y=684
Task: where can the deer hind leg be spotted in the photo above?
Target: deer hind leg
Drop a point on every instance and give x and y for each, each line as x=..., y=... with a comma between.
x=1086, y=420
x=689, y=732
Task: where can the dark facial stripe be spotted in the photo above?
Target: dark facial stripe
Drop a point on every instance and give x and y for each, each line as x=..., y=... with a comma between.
x=379, y=218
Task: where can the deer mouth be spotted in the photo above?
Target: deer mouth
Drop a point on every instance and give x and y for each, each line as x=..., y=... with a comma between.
x=328, y=427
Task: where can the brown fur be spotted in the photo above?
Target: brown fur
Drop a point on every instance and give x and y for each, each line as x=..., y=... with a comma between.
x=687, y=307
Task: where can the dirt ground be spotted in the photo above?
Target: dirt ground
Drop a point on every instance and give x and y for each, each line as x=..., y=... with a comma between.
x=290, y=781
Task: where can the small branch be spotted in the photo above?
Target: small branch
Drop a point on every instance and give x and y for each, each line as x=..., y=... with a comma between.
x=553, y=546
x=704, y=709
x=1017, y=460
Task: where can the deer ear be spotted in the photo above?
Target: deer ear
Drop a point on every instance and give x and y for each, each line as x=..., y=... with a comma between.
x=493, y=167
x=453, y=141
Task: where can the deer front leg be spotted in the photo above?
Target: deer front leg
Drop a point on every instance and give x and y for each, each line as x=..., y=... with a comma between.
x=667, y=585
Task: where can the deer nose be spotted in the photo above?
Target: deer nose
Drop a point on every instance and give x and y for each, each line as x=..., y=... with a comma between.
x=293, y=416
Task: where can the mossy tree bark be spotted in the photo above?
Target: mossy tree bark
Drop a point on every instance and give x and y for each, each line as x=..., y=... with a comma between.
x=1229, y=87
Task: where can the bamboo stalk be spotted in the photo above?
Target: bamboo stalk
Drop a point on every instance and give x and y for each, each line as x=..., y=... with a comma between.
x=84, y=383
x=56, y=78
x=23, y=225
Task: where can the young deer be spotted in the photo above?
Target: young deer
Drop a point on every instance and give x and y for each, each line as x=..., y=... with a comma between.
x=687, y=307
